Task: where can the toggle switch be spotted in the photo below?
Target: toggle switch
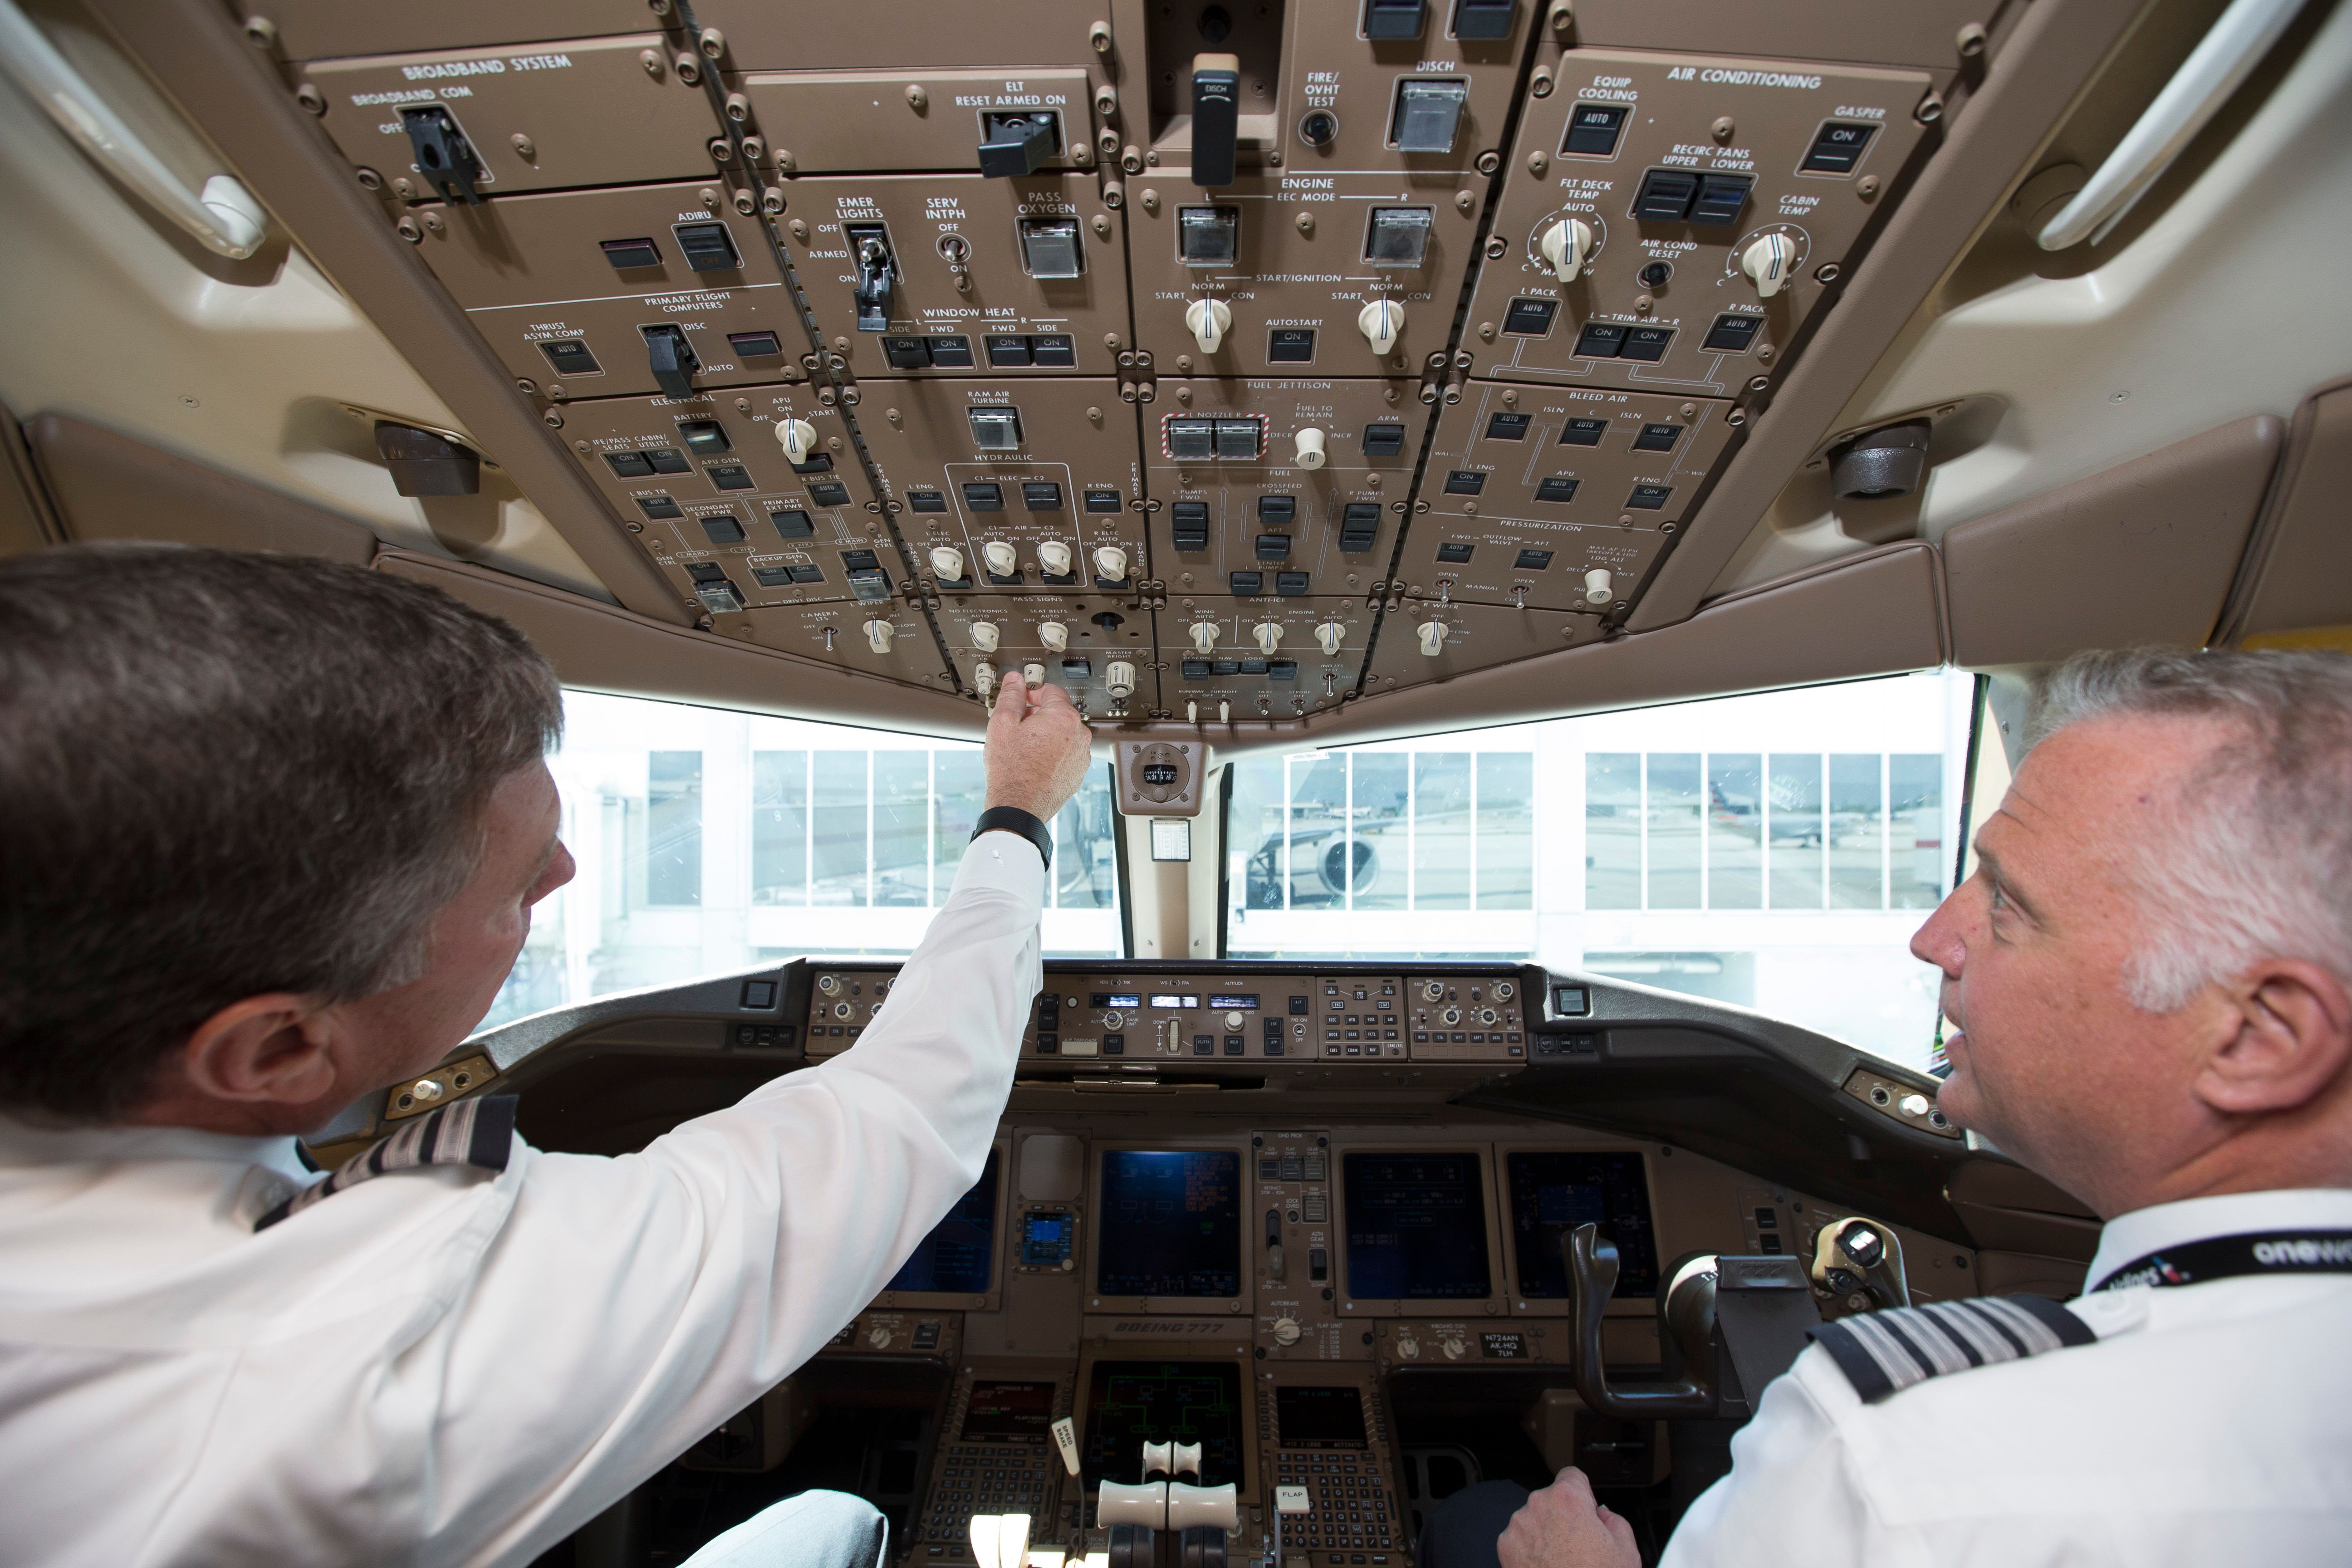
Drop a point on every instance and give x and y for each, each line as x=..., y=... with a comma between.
x=1565, y=244
x=1269, y=636
x=984, y=636
x=1767, y=262
x=878, y=634
x=797, y=437
x=1003, y=559
x=1433, y=637
x=1192, y=710
x=1306, y=447
x=1208, y=321
x=1381, y=322
x=1597, y=588
x=1205, y=636
x=443, y=154
x=1224, y=712
x=1054, y=557
x=1216, y=118
x=673, y=361
x=1054, y=634
x=1120, y=680
x=1329, y=635
x=1110, y=564
x=984, y=678
x=948, y=562
x=869, y=248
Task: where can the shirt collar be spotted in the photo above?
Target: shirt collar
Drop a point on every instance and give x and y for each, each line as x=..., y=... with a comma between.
x=23, y=1143
x=2130, y=1236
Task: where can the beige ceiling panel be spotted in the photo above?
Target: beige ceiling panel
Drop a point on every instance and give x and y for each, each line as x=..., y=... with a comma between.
x=2304, y=577
x=2144, y=552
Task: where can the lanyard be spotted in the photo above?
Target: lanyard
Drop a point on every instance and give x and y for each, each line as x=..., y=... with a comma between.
x=2232, y=1257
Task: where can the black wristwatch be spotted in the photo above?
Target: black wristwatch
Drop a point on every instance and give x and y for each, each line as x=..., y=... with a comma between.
x=1012, y=819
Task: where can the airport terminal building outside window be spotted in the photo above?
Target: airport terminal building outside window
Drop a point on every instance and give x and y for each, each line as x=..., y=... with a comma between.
x=1774, y=851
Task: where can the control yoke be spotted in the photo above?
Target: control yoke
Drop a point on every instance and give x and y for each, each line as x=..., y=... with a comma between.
x=1686, y=1333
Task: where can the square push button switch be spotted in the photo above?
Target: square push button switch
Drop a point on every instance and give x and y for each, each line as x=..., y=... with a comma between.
x=1192, y=438
x=626, y=253
x=570, y=356
x=1428, y=114
x=995, y=429
x=1594, y=130
x=1601, y=340
x=1558, y=489
x=1208, y=237
x=1720, y=198
x=723, y=529
x=1291, y=345
x=708, y=247
x=755, y=346
x=1665, y=195
x=1393, y=19
x=1383, y=440
x=1646, y=344
x=1649, y=497
x=1398, y=236
x=1837, y=147
x=1732, y=334
x=1050, y=247
x=907, y=353
x=1529, y=317
x=1238, y=440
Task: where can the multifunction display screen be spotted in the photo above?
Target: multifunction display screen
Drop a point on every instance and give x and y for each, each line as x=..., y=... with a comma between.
x=1172, y=1224
x=1008, y=1410
x=1416, y=1227
x=956, y=1257
x=1324, y=1417
x=1131, y=1403
x=1553, y=1192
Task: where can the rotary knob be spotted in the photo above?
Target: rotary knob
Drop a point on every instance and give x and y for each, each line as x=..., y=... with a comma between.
x=948, y=562
x=1486, y=1015
x=1114, y=1020
x=1503, y=990
x=1433, y=637
x=797, y=437
x=1205, y=636
x=1453, y=1348
x=828, y=983
x=984, y=636
x=1054, y=635
x=1767, y=262
x=1597, y=586
x=1111, y=562
x=1235, y=1020
x=1034, y=674
x=1407, y=1347
x=1328, y=635
x=1308, y=446
x=878, y=634
x=843, y=1010
x=1381, y=322
x=1001, y=558
x=1119, y=679
x=879, y=1336
x=1054, y=557
x=1433, y=990
x=1565, y=244
x=1452, y=1015
x=1269, y=636
x=1286, y=1331
x=984, y=678
x=1208, y=321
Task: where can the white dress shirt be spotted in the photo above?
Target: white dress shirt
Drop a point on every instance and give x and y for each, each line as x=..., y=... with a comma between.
x=2211, y=1424
x=455, y=1366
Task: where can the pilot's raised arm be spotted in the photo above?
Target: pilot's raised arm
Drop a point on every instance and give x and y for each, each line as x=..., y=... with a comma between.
x=274, y=830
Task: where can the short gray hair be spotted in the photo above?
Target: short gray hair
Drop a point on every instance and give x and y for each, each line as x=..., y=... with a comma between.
x=226, y=774
x=2256, y=859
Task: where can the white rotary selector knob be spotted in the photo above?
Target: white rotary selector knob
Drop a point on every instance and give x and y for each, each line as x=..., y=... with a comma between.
x=1205, y=636
x=984, y=678
x=1767, y=260
x=1055, y=636
x=1269, y=636
x=1330, y=634
x=1111, y=562
x=1119, y=679
x=1597, y=586
x=984, y=636
x=1001, y=558
x=1308, y=447
x=878, y=634
x=797, y=437
x=1381, y=322
x=1565, y=244
x=948, y=562
x=1208, y=321
x=1054, y=557
x=1034, y=674
x=1286, y=1331
x=1433, y=637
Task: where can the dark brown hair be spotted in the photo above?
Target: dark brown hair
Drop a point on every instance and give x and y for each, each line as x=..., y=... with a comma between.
x=223, y=775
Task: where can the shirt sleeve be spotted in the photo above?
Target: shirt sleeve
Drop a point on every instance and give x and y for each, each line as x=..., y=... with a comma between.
x=630, y=1305
x=1793, y=1498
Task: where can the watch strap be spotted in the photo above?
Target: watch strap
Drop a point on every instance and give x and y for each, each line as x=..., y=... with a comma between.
x=1012, y=819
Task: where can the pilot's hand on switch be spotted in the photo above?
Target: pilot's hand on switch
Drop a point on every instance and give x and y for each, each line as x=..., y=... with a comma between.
x=1039, y=748
x=1562, y=1527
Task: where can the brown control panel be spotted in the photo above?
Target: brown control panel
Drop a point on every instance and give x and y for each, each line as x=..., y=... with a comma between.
x=1255, y=359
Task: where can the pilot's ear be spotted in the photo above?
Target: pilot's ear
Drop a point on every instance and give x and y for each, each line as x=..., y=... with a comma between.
x=269, y=1049
x=2294, y=1038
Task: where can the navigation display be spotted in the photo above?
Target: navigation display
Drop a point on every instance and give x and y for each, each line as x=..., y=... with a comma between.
x=1172, y=1224
x=1553, y=1192
x=1008, y=1410
x=1416, y=1227
x=957, y=1257
x=1130, y=1403
x=1324, y=1417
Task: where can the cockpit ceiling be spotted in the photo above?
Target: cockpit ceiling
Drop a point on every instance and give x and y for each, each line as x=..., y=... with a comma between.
x=1339, y=368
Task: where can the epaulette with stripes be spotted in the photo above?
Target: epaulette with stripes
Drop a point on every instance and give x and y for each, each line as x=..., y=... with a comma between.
x=1882, y=1353
x=478, y=1132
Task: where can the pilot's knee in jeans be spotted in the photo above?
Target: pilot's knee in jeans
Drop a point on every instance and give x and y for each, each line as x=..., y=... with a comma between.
x=808, y=1529
x=1461, y=1531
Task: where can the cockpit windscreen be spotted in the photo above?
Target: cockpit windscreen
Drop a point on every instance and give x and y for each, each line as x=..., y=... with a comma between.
x=1172, y=1224
x=956, y=1258
x=1416, y=1227
x=1130, y=1403
x=1552, y=1192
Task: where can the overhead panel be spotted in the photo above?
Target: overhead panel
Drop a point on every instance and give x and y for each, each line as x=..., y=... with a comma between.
x=1263, y=656
x=317, y=30
x=1099, y=648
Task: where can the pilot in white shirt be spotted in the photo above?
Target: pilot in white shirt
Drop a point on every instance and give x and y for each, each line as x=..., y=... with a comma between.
x=274, y=830
x=2153, y=966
